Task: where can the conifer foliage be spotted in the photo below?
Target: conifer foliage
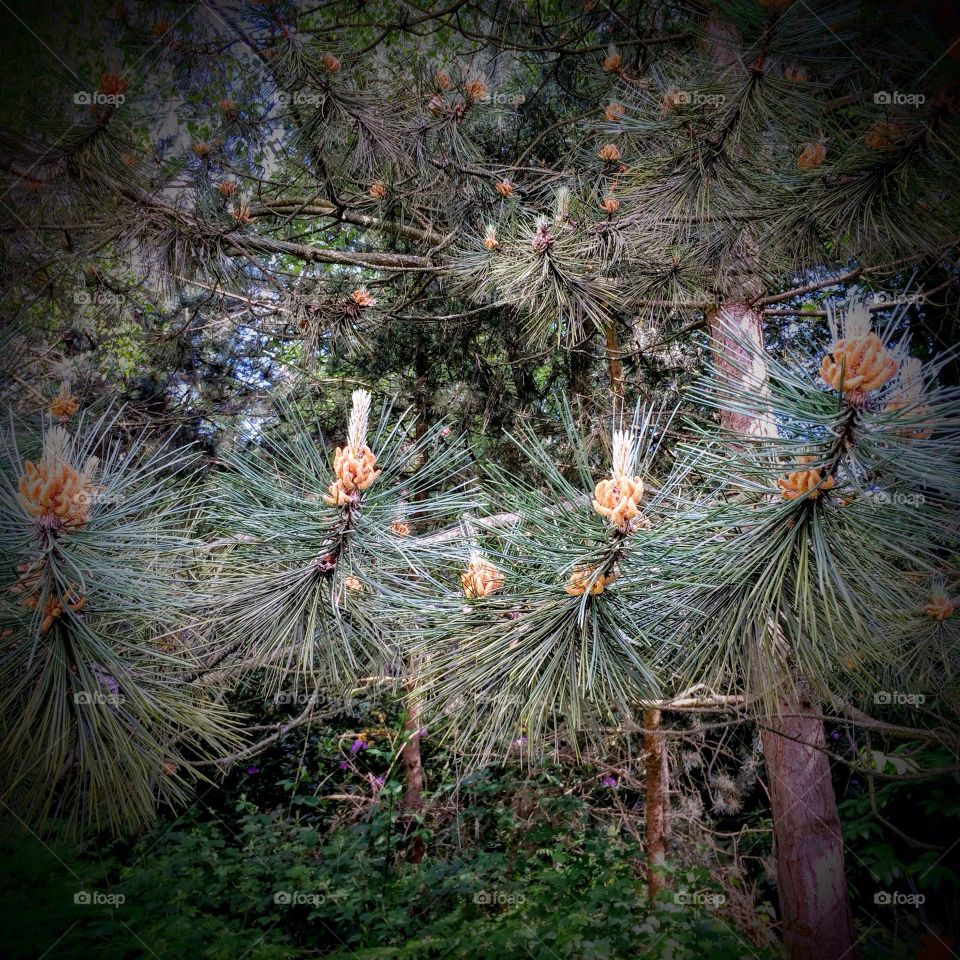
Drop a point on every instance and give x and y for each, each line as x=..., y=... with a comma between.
x=524, y=359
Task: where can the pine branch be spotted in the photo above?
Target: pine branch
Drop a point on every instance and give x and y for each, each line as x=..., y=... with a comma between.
x=319, y=208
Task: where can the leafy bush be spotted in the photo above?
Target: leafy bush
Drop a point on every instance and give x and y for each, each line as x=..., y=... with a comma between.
x=265, y=886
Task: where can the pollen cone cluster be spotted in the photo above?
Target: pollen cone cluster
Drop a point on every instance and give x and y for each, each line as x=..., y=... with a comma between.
x=475, y=90
x=64, y=405
x=939, y=608
x=362, y=298
x=906, y=401
x=609, y=152
x=800, y=482
x=812, y=155
x=52, y=490
x=613, y=60
x=579, y=582
x=355, y=465
x=241, y=213
x=858, y=362
x=29, y=588
x=614, y=111
x=618, y=498
x=480, y=579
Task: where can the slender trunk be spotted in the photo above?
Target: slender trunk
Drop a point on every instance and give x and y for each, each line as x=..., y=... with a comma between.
x=656, y=773
x=521, y=370
x=614, y=365
x=412, y=760
x=811, y=882
x=421, y=369
x=413, y=767
x=938, y=320
x=655, y=788
x=578, y=359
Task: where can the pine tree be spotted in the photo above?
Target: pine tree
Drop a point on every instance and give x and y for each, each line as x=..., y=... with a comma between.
x=587, y=187
x=100, y=723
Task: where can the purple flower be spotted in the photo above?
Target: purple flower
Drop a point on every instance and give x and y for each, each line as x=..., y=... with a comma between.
x=610, y=782
x=835, y=735
x=252, y=771
x=358, y=745
x=344, y=764
x=378, y=782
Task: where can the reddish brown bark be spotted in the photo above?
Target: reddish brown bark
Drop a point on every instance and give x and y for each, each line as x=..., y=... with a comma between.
x=614, y=365
x=410, y=756
x=655, y=792
x=413, y=771
x=811, y=882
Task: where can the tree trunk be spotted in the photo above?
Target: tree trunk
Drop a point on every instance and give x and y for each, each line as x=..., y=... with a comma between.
x=578, y=360
x=614, y=365
x=413, y=767
x=412, y=760
x=655, y=791
x=811, y=882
